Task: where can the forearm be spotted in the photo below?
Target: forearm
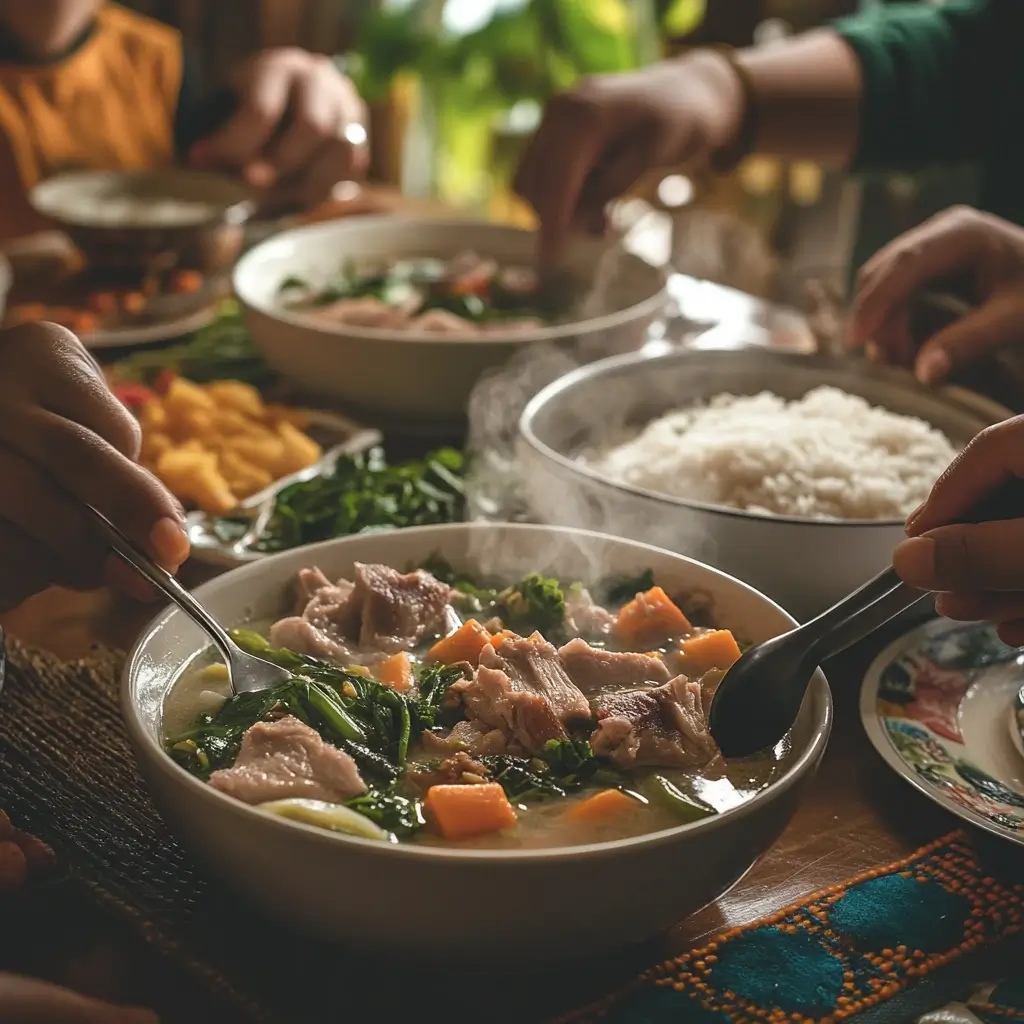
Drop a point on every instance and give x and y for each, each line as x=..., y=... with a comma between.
x=807, y=98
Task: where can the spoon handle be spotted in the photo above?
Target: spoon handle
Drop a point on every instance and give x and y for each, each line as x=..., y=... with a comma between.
x=165, y=582
x=865, y=620
x=820, y=627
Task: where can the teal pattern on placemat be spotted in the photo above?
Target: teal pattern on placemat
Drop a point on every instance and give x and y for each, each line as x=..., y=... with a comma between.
x=878, y=942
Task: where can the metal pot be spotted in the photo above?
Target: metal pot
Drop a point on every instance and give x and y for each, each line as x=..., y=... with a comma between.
x=804, y=564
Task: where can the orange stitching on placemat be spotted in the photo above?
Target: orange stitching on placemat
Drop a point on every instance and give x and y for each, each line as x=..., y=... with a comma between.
x=899, y=966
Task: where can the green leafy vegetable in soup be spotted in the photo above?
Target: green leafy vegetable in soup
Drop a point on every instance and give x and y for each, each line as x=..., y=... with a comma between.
x=533, y=716
x=466, y=295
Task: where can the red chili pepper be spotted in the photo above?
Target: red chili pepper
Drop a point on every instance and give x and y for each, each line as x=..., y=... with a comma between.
x=132, y=394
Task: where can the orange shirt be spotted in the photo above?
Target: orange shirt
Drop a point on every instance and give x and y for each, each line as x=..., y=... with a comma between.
x=108, y=105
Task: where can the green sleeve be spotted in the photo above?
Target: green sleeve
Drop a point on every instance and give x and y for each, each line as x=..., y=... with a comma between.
x=941, y=81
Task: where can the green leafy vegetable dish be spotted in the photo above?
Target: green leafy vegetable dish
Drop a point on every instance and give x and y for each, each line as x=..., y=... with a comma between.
x=359, y=493
x=465, y=296
x=432, y=706
x=223, y=350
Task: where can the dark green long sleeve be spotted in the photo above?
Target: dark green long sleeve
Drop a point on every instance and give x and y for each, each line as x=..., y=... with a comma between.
x=944, y=84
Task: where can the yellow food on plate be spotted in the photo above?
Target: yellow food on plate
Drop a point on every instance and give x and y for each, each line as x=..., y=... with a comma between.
x=215, y=444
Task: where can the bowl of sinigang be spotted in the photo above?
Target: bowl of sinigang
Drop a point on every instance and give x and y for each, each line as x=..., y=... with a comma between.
x=511, y=711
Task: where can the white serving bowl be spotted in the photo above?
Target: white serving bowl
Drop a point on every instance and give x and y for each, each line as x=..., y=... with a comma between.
x=408, y=375
x=804, y=564
x=404, y=899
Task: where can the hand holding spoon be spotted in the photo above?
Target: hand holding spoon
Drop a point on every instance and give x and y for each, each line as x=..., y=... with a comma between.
x=247, y=672
x=759, y=699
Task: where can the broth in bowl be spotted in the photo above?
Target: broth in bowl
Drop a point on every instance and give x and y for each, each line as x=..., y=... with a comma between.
x=353, y=890
x=465, y=296
x=440, y=708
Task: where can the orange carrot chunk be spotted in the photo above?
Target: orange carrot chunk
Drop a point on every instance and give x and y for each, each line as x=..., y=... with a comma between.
x=601, y=806
x=462, y=811
x=717, y=649
x=651, y=614
x=465, y=644
x=499, y=638
x=395, y=671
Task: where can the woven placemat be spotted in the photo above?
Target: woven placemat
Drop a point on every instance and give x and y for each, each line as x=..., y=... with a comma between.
x=67, y=774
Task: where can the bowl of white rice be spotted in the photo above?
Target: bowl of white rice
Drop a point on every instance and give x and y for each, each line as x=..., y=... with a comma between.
x=793, y=473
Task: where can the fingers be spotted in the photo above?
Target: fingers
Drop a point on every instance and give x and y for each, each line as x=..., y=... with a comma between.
x=610, y=178
x=557, y=162
x=944, y=245
x=894, y=342
x=27, y=1001
x=992, y=457
x=979, y=333
x=265, y=88
x=336, y=160
x=324, y=107
x=974, y=558
x=60, y=374
x=91, y=470
x=299, y=131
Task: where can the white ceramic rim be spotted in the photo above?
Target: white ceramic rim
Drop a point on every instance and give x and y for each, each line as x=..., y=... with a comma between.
x=150, y=334
x=238, y=206
x=881, y=742
x=646, y=307
x=201, y=791
x=982, y=406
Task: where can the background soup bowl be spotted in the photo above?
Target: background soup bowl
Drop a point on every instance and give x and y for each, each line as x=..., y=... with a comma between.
x=409, y=375
x=207, y=236
x=407, y=899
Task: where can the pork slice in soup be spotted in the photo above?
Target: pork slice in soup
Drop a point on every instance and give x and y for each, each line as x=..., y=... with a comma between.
x=427, y=706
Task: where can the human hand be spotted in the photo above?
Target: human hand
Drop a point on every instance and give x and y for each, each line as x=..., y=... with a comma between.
x=959, y=243
x=978, y=569
x=27, y=1001
x=65, y=440
x=596, y=140
x=300, y=128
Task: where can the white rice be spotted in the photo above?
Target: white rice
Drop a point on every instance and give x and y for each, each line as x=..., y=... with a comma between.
x=828, y=455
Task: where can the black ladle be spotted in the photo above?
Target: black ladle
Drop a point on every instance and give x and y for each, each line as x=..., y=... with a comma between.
x=759, y=699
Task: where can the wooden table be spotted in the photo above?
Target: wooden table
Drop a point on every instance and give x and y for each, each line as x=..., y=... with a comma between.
x=857, y=815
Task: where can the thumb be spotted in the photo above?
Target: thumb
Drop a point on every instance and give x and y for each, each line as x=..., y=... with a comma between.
x=978, y=334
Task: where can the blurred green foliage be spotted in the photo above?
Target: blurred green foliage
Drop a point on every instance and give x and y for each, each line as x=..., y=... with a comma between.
x=524, y=52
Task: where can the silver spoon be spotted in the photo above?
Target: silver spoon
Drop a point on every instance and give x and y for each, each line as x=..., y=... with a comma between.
x=246, y=672
x=759, y=699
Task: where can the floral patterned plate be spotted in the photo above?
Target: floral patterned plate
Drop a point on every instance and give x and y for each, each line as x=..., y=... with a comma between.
x=938, y=705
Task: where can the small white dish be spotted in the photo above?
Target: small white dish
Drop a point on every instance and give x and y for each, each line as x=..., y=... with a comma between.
x=336, y=434
x=132, y=335
x=934, y=705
